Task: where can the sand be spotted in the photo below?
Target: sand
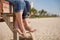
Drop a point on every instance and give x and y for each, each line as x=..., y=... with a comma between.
x=47, y=29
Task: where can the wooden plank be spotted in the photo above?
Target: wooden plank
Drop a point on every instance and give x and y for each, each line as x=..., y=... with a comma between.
x=6, y=7
x=0, y=7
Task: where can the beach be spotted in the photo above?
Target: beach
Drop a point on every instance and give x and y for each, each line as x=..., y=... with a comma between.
x=46, y=29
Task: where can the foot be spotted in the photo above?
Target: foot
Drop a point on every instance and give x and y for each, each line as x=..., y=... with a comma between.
x=30, y=29
x=18, y=30
x=24, y=35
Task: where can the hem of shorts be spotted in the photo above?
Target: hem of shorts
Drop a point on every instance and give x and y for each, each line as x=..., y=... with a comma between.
x=18, y=11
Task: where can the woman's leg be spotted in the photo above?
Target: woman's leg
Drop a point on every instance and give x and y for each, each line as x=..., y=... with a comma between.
x=16, y=27
x=18, y=9
x=21, y=24
x=20, y=21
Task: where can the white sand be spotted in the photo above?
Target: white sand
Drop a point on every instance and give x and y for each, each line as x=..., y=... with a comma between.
x=47, y=29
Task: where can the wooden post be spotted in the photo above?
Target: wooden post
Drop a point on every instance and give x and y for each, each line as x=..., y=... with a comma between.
x=7, y=13
x=14, y=32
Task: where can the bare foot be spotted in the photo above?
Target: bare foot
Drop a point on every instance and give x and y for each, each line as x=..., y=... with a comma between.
x=30, y=29
x=25, y=35
x=17, y=30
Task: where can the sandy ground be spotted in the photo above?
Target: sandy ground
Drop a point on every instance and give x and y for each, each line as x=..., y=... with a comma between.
x=47, y=29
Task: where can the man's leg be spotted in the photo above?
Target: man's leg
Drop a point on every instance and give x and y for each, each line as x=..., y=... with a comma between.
x=27, y=25
x=26, y=20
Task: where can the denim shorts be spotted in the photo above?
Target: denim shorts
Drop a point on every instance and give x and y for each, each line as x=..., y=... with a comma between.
x=17, y=5
x=20, y=5
x=26, y=11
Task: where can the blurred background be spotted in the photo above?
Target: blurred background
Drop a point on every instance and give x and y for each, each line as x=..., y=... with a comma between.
x=45, y=8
